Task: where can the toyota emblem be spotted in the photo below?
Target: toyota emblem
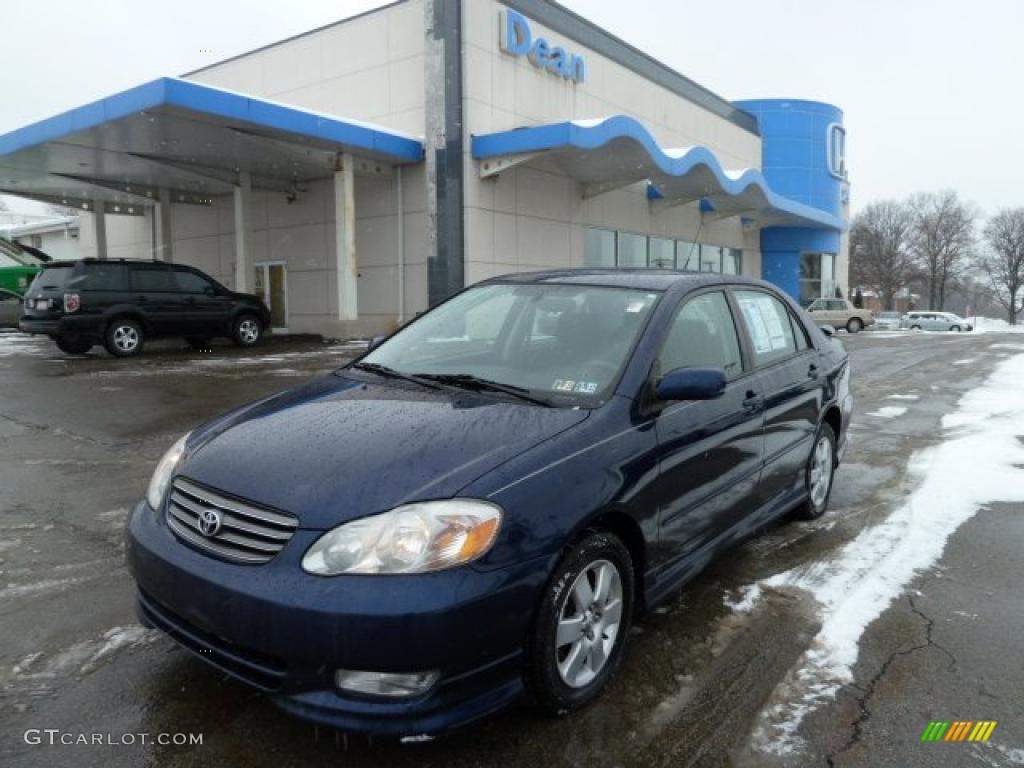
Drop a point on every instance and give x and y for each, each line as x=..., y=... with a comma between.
x=208, y=523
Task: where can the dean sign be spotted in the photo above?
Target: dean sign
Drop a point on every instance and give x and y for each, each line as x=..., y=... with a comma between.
x=517, y=39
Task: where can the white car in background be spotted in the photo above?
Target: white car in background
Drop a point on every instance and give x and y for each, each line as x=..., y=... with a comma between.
x=888, y=321
x=935, y=321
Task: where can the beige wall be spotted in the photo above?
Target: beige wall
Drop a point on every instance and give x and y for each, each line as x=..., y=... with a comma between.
x=533, y=216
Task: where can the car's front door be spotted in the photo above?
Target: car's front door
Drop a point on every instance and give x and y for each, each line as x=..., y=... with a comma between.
x=207, y=308
x=788, y=376
x=710, y=450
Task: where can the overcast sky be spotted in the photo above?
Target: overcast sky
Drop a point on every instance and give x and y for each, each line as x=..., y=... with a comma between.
x=931, y=88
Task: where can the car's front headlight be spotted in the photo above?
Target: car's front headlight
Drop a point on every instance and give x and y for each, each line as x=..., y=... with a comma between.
x=163, y=472
x=414, y=538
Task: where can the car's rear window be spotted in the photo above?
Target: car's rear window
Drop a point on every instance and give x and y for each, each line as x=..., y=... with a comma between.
x=53, y=277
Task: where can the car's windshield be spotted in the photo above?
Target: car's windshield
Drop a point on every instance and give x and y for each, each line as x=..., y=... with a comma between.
x=551, y=340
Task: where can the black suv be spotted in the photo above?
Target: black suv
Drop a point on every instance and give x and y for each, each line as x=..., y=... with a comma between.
x=120, y=303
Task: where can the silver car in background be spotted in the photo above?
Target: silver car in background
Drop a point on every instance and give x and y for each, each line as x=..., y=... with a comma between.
x=888, y=321
x=935, y=321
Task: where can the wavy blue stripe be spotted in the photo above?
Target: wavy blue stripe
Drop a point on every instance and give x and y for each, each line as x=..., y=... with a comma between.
x=213, y=101
x=570, y=135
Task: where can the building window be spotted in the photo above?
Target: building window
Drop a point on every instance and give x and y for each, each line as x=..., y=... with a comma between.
x=662, y=253
x=598, y=248
x=817, y=276
x=632, y=251
x=732, y=261
x=687, y=256
x=710, y=258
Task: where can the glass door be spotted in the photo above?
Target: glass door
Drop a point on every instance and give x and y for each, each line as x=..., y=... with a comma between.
x=271, y=285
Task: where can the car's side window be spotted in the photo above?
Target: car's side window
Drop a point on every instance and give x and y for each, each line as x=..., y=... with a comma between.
x=767, y=323
x=155, y=279
x=799, y=333
x=101, y=277
x=703, y=335
x=816, y=305
x=190, y=282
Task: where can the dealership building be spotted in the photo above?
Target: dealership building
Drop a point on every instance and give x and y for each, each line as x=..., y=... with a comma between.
x=359, y=173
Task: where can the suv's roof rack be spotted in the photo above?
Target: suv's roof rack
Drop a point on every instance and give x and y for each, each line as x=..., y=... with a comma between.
x=94, y=260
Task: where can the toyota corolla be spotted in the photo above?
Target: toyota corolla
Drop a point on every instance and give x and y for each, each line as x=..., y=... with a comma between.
x=475, y=511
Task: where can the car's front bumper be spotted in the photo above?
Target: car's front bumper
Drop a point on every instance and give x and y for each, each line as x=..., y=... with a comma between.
x=286, y=632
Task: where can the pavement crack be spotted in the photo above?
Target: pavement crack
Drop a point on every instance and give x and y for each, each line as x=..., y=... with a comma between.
x=62, y=432
x=868, y=690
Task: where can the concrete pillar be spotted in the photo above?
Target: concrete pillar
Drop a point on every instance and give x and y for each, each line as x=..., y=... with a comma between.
x=243, y=233
x=162, y=246
x=99, y=217
x=345, y=239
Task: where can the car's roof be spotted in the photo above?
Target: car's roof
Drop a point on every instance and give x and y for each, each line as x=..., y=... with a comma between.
x=640, y=279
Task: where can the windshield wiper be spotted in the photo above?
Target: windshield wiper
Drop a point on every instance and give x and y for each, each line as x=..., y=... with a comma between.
x=471, y=382
x=391, y=373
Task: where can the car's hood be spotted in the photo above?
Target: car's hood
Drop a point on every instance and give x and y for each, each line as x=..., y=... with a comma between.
x=338, y=449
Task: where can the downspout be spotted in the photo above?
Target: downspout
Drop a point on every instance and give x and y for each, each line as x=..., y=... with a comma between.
x=401, y=248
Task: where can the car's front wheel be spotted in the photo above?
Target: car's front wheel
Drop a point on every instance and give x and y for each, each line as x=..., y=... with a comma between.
x=247, y=330
x=582, y=624
x=124, y=337
x=854, y=325
x=73, y=345
x=821, y=467
x=955, y=329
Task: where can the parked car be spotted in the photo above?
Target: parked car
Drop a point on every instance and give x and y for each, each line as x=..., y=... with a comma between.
x=840, y=313
x=17, y=268
x=935, y=321
x=888, y=321
x=10, y=308
x=478, y=507
x=121, y=303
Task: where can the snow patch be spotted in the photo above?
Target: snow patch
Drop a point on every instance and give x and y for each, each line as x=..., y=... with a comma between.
x=888, y=412
x=902, y=397
x=746, y=601
x=82, y=658
x=976, y=463
x=965, y=361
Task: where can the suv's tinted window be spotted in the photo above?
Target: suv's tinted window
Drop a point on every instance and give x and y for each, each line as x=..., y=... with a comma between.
x=54, y=277
x=155, y=279
x=703, y=335
x=190, y=282
x=767, y=321
x=101, y=277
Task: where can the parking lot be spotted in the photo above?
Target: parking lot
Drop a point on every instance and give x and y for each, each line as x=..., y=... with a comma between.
x=701, y=679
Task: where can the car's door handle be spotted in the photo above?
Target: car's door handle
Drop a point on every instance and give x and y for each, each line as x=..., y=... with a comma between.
x=812, y=372
x=753, y=400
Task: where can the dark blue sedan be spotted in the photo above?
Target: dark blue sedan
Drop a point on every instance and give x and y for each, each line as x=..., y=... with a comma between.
x=476, y=510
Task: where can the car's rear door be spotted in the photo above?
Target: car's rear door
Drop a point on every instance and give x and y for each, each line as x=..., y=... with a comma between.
x=154, y=293
x=787, y=373
x=710, y=450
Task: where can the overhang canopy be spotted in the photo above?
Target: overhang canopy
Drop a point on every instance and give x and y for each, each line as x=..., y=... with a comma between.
x=617, y=151
x=190, y=139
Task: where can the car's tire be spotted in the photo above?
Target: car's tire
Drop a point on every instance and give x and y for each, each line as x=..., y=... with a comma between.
x=197, y=343
x=247, y=330
x=73, y=345
x=955, y=329
x=124, y=337
x=915, y=327
x=818, y=475
x=597, y=616
x=854, y=325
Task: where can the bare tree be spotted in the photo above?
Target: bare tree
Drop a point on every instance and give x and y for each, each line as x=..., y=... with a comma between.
x=880, y=255
x=1005, y=263
x=942, y=238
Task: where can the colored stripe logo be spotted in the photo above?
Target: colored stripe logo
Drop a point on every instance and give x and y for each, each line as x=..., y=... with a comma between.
x=959, y=730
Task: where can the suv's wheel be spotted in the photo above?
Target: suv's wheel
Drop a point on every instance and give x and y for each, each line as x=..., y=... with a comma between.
x=73, y=345
x=821, y=467
x=124, y=337
x=582, y=624
x=854, y=325
x=247, y=330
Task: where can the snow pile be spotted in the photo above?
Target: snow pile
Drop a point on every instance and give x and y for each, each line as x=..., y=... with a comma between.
x=977, y=463
x=996, y=325
x=889, y=412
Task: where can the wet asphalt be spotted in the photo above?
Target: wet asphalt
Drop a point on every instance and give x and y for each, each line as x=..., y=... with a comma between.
x=79, y=438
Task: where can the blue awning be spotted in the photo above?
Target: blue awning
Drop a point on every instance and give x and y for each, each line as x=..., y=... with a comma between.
x=184, y=136
x=616, y=151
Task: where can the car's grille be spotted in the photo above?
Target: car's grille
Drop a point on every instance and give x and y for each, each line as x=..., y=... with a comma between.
x=241, y=531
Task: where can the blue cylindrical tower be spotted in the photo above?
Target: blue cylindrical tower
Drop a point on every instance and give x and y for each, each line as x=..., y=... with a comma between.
x=803, y=157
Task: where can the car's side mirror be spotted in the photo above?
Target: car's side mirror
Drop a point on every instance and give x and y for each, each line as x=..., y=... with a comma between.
x=828, y=330
x=375, y=342
x=691, y=384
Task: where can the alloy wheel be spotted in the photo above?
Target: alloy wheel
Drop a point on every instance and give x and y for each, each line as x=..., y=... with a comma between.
x=248, y=331
x=126, y=338
x=821, y=471
x=588, y=624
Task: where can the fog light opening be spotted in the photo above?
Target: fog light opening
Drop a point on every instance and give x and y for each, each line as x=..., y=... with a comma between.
x=387, y=684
